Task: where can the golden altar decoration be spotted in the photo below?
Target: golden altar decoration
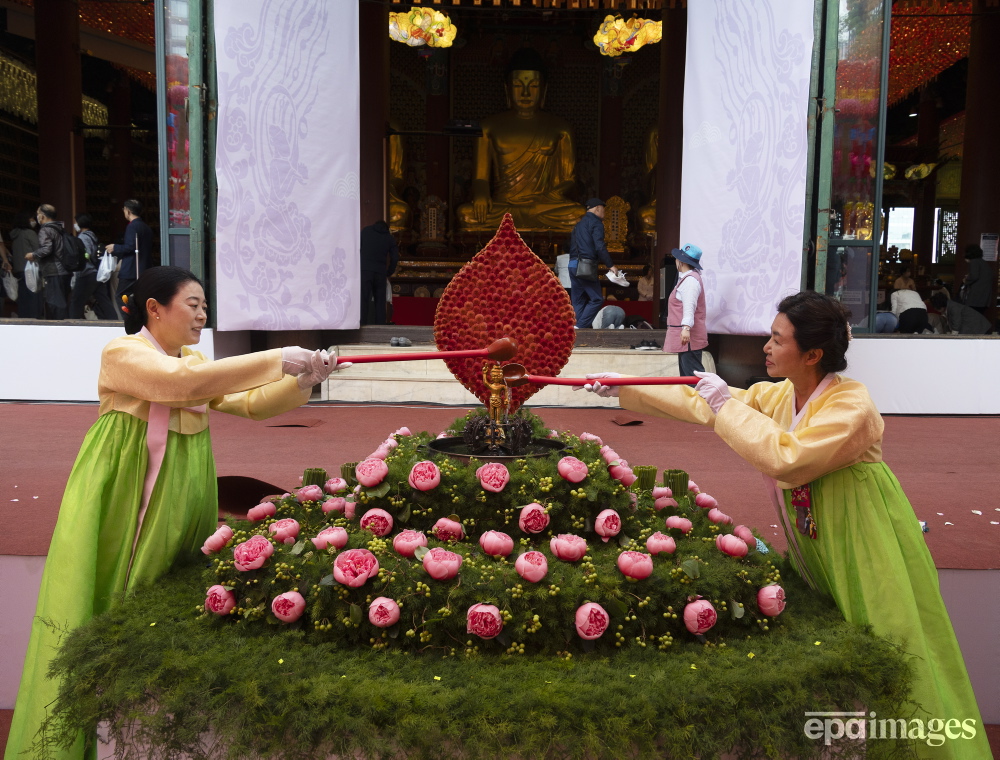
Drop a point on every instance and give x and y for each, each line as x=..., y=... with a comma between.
x=616, y=35
x=616, y=223
x=422, y=26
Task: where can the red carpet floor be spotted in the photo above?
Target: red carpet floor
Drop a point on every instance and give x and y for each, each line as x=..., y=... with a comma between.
x=945, y=464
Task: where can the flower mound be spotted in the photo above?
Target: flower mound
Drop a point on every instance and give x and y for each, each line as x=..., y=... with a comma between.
x=354, y=567
x=484, y=621
x=506, y=291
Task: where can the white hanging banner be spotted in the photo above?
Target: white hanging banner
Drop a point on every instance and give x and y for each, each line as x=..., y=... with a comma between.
x=288, y=226
x=746, y=100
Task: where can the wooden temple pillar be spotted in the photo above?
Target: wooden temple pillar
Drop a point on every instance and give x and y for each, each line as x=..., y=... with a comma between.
x=925, y=204
x=373, y=72
x=673, y=50
x=979, y=202
x=120, y=164
x=60, y=107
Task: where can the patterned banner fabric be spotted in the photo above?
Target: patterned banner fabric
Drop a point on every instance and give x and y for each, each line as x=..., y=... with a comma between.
x=287, y=164
x=746, y=99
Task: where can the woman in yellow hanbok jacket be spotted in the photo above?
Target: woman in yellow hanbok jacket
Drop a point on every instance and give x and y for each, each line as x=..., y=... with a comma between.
x=852, y=534
x=142, y=493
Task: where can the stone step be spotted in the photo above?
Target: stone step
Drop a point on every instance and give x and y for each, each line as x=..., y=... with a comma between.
x=430, y=381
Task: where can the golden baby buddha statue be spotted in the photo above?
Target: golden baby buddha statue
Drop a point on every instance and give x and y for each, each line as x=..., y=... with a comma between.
x=524, y=160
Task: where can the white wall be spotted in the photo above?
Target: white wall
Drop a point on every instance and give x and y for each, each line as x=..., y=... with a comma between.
x=52, y=362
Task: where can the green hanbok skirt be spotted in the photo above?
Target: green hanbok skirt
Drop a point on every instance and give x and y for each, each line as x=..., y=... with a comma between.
x=870, y=556
x=88, y=564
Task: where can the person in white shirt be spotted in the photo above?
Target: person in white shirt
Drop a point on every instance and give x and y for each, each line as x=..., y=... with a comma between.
x=910, y=310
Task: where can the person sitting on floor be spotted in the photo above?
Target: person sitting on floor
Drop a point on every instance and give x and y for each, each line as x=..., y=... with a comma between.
x=961, y=318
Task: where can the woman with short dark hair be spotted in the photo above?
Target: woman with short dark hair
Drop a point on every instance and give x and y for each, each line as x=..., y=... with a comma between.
x=852, y=534
x=142, y=494
x=978, y=282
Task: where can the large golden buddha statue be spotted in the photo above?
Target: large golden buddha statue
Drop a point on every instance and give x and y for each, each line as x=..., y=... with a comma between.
x=524, y=160
x=399, y=211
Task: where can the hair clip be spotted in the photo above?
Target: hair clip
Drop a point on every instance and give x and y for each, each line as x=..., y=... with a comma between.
x=125, y=309
x=124, y=298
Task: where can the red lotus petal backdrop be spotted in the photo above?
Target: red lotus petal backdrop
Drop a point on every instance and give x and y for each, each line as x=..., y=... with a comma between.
x=505, y=291
x=925, y=40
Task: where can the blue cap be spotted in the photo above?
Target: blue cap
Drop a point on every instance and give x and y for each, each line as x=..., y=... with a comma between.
x=689, y=254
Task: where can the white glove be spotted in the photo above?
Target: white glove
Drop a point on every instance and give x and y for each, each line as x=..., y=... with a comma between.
x=320, y=365
x=294, y=359
x=606, y=391
x=713, y=389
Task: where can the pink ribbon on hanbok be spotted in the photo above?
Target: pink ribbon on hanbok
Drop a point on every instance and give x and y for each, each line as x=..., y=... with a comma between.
x=156, y=445
x=778, y=495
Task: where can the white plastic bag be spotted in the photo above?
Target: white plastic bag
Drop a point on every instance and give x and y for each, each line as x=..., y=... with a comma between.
x=32, y=277
x=107, y=267
x=10, y=285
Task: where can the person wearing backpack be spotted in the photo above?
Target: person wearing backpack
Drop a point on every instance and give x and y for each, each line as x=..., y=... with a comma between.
x=87, y=286
x=50, y=261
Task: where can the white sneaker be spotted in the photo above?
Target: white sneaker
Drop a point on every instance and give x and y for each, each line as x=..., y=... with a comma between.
x=621, y=327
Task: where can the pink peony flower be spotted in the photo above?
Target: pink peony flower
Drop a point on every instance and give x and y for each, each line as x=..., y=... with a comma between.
x=693, y=487
x=484, y=620
x=390, y=443
x=662, y=492
x=217, y=541
x=349, y=507
x=378, y=521
x=443, y=435
x=371, y=472
x=618, y=469
x=731, y=545
x=403, y=431
x=635, y=565
x=719, y=517
x=380, y=453
x=659, y=542
x=285, y=530
x=220, y=600
x=771, y=600
x=591, y=621
x=288, y=607
x=628, y=477
x=591, y=437
x=553, y=433
x=493, y=476
x=442, y=564
x=664, y=501
x=607, y=524
x=699, y=616
x=743, y=532
x=408, y=541
x=705, y=501
x=336, y=537
x=496, y=544
x=252, y=553
x=680, y=523
x=572, y=469
x=335, y=486
x=534, y=518
x=446, y=529
x=609, y=455
x=383, y=612
x=308, y=493
x=424, y=476
x=335, y=504
x=568, y=547
x=354, y=567
x=532, y=566
x=261, y=511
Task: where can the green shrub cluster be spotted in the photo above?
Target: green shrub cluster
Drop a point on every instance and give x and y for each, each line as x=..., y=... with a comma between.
x=538, y=617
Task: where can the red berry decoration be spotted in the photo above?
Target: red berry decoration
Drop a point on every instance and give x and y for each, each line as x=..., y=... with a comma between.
x=506, y=291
